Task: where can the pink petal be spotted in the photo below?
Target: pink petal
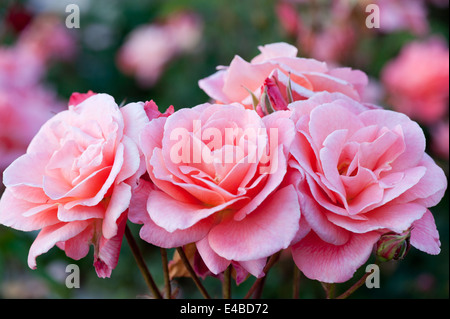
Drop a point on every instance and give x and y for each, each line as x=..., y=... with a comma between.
x=135, y=119
x=330, y=263
x=242, y=75
x=108, y=250
x=213, y=261
x=424, y=235
x=171, y=214
x=22, y=215
x=156, y=235
x=119, y=203
x=269, y=228
x=397, y=218
x=431, y=187
x=275, y=50
x=213, y=86
x=413, y=135
x=50, y=235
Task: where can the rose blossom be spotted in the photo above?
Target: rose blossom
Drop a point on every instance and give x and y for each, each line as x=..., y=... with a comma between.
x=360, y=173
x=278, y=63
x=74, y=183
x=417, y=81
x=218, y=190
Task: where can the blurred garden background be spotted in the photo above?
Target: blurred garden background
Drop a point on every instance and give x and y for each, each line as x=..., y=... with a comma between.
x=157, y=50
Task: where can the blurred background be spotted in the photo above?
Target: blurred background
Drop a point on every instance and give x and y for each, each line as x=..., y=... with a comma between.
x=158, y=49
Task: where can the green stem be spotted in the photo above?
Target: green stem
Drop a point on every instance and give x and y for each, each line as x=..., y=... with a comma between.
x=355, y=287
x=329, y=288
x=226, y=285
x=141, y=264
x=358, y=284
x=165, y=264
x=191, y=271
x=296, y=284
x=260, y=281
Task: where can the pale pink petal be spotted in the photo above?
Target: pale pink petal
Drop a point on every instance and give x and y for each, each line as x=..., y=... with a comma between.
x=213, y=85
x=431, y=187
x=50, y=235
x=80, y=213
x=397, y=218
x=270, y=227
x=242, y=75
x=275, y=50
x=22, y=215
x=78, y=246
x=330, y=263
x=255, y=267
x=212, y=260
x=134, y=118
x=424, y=235
x=171, y=214
x=26, y=170
x=156, y=235
x=413, y=135
x=107, y=252
x=119, y=203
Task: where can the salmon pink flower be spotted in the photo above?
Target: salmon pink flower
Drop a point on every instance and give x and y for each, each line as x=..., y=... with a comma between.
x=361, y=172
x=297, y=78
x=420, y=90
x=75, y=181
x=216, y=171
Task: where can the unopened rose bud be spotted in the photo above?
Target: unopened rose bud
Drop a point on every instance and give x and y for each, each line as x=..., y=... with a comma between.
x=393, y=245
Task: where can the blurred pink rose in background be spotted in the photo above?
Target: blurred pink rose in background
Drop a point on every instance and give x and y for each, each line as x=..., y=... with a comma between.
x=417, y=81
x=361, y=173
x=25, y=102
x=219, y=192
x=75, y=181
x=440, y=139
x=149, y=48
x=22, y=112
x=47, y=38
x=278, y=63
x=403, y=15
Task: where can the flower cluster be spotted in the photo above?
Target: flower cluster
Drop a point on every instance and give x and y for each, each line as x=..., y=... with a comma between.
x=288, y=155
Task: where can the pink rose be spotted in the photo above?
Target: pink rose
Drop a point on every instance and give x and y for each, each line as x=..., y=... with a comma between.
x=216, y=171
x=22, y=113
x=419, y=89
x=75, y=181
x=148, y=49
x=440, y=139
x=360, y=173
x=243, y=81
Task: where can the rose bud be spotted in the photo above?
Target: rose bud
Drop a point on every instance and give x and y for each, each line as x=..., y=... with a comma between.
x=393, y=246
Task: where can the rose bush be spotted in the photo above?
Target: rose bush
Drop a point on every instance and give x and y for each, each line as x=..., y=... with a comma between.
x=360, y=173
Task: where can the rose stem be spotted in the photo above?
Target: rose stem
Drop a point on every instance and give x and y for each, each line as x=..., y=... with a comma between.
x=166, y=273
x=226, y=285
x=296, y=284
x=192, y=273
x=358, y=284
x=353, y=288
x=329, y=288
x=141, y=264
x=272, y=260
